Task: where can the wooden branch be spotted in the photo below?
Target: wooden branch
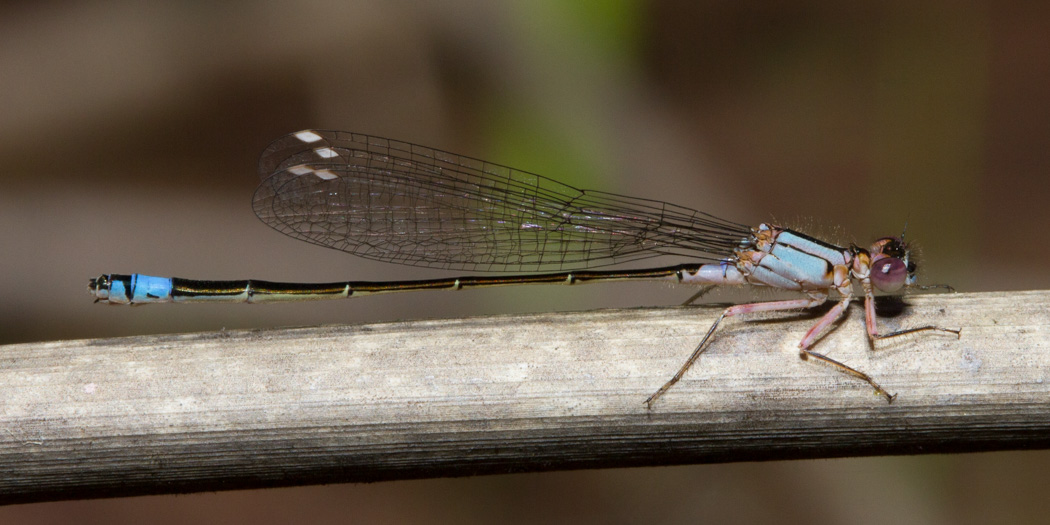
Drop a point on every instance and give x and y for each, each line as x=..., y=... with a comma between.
x=231, y=410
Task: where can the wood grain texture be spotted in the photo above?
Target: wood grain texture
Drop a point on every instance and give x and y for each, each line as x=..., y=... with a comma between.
x=230, y=410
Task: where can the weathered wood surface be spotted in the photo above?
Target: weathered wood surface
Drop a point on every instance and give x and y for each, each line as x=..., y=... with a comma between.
x=211, y=411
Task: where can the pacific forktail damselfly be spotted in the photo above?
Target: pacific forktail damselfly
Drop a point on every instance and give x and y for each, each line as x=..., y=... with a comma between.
x=398, y=202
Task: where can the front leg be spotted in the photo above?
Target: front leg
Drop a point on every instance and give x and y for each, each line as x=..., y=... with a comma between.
x=873, y=330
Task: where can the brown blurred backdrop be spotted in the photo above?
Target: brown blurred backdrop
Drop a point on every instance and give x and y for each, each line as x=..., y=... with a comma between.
x=129, y=134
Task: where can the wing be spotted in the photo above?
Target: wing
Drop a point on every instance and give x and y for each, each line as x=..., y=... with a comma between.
x=398, y=202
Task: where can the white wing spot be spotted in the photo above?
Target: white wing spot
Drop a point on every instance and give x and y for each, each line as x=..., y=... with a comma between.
x=301, y=169
x=326, y=175
x=326, y=153
x=308, y=136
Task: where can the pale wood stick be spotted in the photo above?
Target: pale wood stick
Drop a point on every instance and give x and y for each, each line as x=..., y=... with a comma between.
x=182, y=413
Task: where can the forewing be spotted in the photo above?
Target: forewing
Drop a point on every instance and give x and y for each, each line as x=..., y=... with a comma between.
x=398, y=202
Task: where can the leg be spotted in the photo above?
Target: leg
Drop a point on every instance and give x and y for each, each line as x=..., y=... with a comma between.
x=702, y=292
x=811, y=336
x=851, y=371
x=729, y=312
x=873, y=330
x=947, y=287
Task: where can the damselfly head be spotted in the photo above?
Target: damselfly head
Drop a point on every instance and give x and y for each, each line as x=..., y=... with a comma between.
x=891, y=264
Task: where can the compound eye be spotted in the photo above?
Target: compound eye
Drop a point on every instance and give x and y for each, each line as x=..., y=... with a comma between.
x=888, y=274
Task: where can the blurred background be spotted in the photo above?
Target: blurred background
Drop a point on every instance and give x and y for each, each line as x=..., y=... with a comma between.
x=129, y=135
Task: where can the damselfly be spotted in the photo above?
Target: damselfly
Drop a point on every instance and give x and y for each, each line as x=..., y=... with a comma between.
x=398, y=202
